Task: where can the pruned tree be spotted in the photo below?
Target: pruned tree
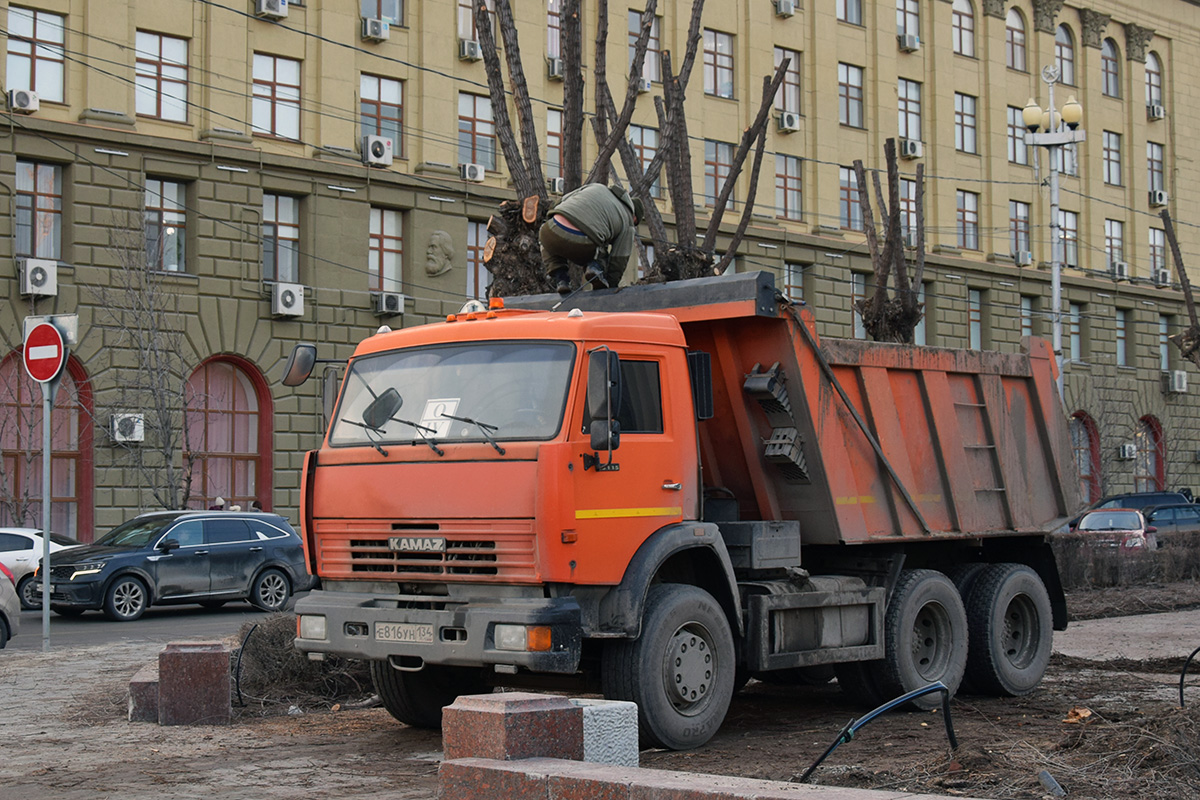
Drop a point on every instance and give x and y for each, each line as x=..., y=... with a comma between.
x=891, y=313
x=1187, y=340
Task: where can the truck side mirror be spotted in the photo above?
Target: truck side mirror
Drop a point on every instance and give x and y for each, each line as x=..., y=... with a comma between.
x=604, y=384
x=299, y=364
x=605, y=434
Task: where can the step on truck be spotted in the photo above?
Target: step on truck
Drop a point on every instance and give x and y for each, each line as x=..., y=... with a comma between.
x=660, y=492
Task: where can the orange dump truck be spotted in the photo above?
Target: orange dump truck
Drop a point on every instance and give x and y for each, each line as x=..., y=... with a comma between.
x=659, y=492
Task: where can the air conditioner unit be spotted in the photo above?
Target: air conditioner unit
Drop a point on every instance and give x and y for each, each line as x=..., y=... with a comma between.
x=1126, y=452
x=1023, y=258
x=469, y=50
x=23, y=101
x=789, y=121
x=377, y=151
x=376, y=30
x=1162, y=277
x=388, y=304
x=556, y=185
x=1159, y=198
x=287, y=300
x=909, y=42
x=1120, y=270
x=785, y=8
x=645, y=85
x=39, y=277
x=128, y=428
x=472, y=172
x=911, y=148
x=554, y=69
x=271, y=9
x=1175, y=381
x=1155, y=111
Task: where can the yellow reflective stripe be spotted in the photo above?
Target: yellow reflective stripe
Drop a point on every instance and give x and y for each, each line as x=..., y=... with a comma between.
x=853, y=501
x=611, y=513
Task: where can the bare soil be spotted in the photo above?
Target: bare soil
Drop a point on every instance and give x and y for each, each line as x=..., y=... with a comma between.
x=1101, y=728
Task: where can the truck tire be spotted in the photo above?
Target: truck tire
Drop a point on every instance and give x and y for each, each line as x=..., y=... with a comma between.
x=417, y=698
x=964, y=577
x=1008, y=613
x=680, y=671
x=925, y=636
x=126, y=599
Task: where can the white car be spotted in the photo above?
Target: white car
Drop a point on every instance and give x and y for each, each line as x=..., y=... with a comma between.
x=21, y=552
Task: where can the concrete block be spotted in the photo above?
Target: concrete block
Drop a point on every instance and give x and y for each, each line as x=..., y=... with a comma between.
x=194, y=684
x=143, y=695
x=468, y=779
x=610, y=731
x=512, y=725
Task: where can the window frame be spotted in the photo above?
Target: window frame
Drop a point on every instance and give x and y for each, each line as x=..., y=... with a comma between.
x=1110, y=69
x=477, y=271
x=1111, y=158
x=160, y=73
x=1018, y=151
x=789, y=187
x=1154, y=79
x=966, y=123
x=1155, y=166
x=908, y=17
x=273, y=96
x=1019, y=231
x=851, y=96
x=385, y=250
x=42, y=210
x=908, y=108
x=1016, y=52
x=718, y=165
x=1064, y=54
x=850, y=11
x=276, y=232
x=850, y=210
x=790, y=95
x=162, y=217
x=966, y=212
x=646, y=153
x=1114, y=241
x=479, y=132
x=962, y=27
x=44, y=54
x=378, y=11
x=373, y=111
x=652, y=64
x=718, y=64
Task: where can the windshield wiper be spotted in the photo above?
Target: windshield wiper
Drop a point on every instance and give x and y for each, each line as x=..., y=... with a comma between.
x=483, y=428
x=370, y=441
x=420, y=429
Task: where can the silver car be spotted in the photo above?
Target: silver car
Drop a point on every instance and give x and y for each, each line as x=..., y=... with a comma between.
x=10, y=606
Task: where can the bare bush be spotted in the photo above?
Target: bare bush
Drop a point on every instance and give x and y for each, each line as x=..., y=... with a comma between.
x=1084, y=564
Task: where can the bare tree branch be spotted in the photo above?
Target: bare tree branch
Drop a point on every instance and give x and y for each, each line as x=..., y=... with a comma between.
x=748, y=208
x=520, y=95
x=572, y=116
x=608, y=146
x=495, y=79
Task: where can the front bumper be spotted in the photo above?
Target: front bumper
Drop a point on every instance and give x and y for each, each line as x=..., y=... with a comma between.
x=463, y=632
x=77, y=594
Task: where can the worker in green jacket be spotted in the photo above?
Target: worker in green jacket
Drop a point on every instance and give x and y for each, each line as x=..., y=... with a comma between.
x=594, y=227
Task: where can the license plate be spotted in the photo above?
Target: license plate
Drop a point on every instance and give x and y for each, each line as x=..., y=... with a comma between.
x=409, y=632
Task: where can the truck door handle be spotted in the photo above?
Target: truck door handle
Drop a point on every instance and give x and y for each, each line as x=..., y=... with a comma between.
x=675, y=487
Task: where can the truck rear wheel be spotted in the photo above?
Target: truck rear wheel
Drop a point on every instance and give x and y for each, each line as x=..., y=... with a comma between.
x=925, y=636
x=417, y=698
x=680, y=671
x=1008, y=612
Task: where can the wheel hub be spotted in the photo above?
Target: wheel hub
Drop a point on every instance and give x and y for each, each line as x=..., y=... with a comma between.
x=1020, y=631
x=690, y=667
x=930, y=632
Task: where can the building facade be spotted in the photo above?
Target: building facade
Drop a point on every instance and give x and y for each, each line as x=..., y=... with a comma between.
x=210, y=155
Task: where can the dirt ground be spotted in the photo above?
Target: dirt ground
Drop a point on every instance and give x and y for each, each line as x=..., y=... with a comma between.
x=1102, y=728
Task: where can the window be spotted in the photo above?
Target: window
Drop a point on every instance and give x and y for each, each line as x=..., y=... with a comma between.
x=644, y=263
x=1114, y=241
x=1064, y=55
x=1068, y=222
x=645, y=144
x=229, y=421
x=39, y=210
x=1014, y=40
x=1148, y=470
x=1154, y=166
x=1018, y=227
x=275, y=110
x=1085, y=442
x=1018, y=153
x=1164, y=344
x=652, y=66
x=554, y=143
x=1122, y=323
x=554, y=28
x=919, y=333
x=1074, y=343
x=975, y=319
x=162, y=76
x=479, y=278
x=850, y=95
x=476, y=131
x=909, y=105
x=35, y=52
x=718, y=63
x=851, y=211
x=1110, y=69
x=1158, y=250
x=1112, y=158
x=788, y=96
x=641, y=399
x=281, y=238
x=850, y=11
x=390, y=10
x=1066, y=159
x=718, y=163
x=381, y=104
x=968, y=220
x=1027, y=310
x=908, y=209
x=467, y=28
x=908, y=17
x=962, y=23
x=386, y=251
x=165, y=225
x=1154, y=80
x=793, y=281
x=858, y=292
x=788, y=187
x=965, y=128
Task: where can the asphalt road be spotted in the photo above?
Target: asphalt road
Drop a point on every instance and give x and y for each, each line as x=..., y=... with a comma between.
x=161, y=624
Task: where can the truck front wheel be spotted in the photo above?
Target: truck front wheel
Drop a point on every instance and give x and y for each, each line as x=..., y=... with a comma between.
x=417, y=698
x=680, y=671
x=925, y=635
x=1008, y=609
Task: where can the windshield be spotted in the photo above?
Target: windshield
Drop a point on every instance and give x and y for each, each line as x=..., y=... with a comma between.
x=1110, y=521
x=136, y=532
x=477, y=391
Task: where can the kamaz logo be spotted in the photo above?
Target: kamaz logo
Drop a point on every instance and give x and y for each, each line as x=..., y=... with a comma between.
x=417, y=544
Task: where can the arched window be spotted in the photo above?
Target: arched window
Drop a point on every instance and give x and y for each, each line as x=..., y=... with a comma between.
x=1085, y=441
x=1064, y=55
x=1110, y=69
x=229, y=433
x=962, y=22
x=1149, y=473
x=1154, y=80
x=1014, y=40
x=70, y=450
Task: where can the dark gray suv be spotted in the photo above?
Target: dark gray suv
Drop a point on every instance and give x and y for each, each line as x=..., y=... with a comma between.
x=165, y=557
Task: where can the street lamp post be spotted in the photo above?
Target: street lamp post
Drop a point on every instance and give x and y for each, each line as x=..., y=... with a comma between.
x=1059, y=131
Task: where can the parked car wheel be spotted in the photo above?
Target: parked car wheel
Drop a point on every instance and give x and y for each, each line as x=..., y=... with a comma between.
x=126, y=599
x=30, y=592
x=271, y=590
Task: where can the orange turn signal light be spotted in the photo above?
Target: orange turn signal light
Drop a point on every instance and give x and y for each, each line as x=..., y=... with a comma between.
x=537, y=638
x=496, y=303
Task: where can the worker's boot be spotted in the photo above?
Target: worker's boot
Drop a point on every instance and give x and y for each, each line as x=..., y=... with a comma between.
x=562, y=281
x=594, y=274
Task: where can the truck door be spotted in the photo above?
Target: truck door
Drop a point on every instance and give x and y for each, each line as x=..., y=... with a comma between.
x=652, y=480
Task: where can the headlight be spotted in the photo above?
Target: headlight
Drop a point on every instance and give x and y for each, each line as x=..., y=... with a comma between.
x=311, y=626
x=86, y=569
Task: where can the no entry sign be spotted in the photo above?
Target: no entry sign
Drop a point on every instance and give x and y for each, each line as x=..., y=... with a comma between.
x=45, y=353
